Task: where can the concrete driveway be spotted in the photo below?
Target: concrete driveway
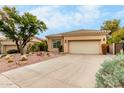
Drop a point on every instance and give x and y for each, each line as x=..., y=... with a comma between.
x=65, y=72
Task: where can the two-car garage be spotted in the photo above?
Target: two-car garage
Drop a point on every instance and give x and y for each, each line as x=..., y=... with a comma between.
x=84, y=47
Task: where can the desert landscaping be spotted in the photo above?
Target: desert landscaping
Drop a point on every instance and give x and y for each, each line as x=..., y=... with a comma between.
x=12, y=61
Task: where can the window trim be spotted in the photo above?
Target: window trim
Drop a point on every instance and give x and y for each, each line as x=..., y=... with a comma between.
x=54, y=41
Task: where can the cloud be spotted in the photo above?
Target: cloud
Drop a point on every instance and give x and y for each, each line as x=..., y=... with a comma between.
x=61, y=18
x=87, y=14
x=55, y=18
x=119, y=14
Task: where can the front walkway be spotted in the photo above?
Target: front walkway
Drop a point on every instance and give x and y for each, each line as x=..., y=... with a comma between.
x=65, y=71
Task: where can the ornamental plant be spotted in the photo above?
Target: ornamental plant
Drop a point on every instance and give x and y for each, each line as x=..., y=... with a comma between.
x=104, y=48
x=111, y=74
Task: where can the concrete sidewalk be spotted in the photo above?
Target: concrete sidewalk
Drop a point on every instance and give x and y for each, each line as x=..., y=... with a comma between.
x=62, y=72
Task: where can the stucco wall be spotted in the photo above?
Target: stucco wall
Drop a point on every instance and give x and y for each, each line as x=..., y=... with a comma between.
x=9, y=44
x=49, y=40
x=9, y=47
x=66, y=39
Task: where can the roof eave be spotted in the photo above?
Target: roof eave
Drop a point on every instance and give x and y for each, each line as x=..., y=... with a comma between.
x=102, y=32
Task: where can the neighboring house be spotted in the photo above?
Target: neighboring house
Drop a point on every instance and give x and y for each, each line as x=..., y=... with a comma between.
x=7, y=44
x=78, y=42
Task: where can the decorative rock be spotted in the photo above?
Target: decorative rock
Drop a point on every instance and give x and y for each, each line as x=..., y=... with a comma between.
x=0, y=56
x=23, y=58
x=43, y=53
x=39, y=54
x=22, y=62
x=30, y=53
x=10, y=60
x=7, y=57
x=48, y=54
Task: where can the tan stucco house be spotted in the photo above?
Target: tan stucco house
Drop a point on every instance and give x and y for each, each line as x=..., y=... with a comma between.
x=78, y=42
x=7, y=44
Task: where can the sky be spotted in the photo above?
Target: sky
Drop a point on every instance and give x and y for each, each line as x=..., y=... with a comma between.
x=65, y=18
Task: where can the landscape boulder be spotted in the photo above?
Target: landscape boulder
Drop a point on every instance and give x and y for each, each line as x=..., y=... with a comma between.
x=48, y=54
x=39, y=54
x=10, y=59
x=7, y=57
x=23, y=58
x=22, y=62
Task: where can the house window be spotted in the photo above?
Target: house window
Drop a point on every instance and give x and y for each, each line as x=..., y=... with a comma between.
x=56, y=43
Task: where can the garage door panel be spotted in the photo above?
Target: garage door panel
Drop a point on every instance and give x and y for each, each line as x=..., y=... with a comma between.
x=84, y=47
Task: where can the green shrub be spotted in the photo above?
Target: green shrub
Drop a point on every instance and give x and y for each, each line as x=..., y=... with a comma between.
x=112, y=73
x=39, y=46
x=12, y=51
x=45, y=48
x=61, y=48
x=34, y=48
x=42, y=46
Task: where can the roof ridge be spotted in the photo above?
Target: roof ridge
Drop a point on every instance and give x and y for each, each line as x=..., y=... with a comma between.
x=79, y=30
x=82, y=30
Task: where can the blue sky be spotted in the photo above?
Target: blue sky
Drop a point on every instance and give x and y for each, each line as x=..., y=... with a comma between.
x=68, y=18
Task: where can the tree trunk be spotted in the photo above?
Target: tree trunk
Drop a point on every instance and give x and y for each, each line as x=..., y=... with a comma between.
x=17, y=45
x=21, y=50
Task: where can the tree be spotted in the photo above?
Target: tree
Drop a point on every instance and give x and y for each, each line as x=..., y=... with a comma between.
x=117, y=36
x=19, y=28
x=112, y=25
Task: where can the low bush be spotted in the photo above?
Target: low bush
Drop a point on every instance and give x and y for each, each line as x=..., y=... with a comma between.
x=12, y=51
x=104, y=48
x=42, y=46
x=61, y=48
x=111, y=74
x=45, y=48
x=33, y=48
x=39, y=46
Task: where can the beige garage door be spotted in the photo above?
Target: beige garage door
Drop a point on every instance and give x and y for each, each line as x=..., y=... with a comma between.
x=84, y=47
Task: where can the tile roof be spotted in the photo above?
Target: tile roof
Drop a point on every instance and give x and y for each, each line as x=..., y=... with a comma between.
x=81, y=31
